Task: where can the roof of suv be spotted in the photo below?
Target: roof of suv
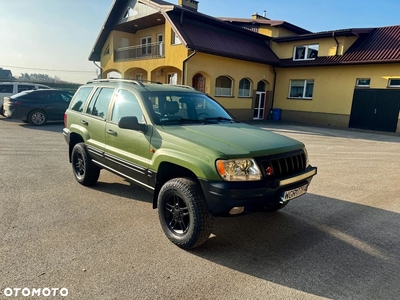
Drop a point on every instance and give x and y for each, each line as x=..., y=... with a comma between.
x=144, y=85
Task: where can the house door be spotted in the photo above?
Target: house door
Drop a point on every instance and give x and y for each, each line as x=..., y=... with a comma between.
x=259, y=106
x=199, y=83
x=375, y=109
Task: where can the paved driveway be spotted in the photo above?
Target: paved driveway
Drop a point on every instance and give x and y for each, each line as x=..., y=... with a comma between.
x=340, y=241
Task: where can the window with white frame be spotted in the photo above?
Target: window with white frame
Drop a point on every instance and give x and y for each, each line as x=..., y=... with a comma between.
x=302, y=89
x=160, y=41
x=175, y=39
x=394, y=82
x=145, y=43
x=244, y=88
x=363, y=82
x=223, y=86
x=139, y=76
x=306, y=52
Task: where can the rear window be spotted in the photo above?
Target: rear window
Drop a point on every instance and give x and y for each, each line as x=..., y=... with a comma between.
x=79, y=100
x=6, y=88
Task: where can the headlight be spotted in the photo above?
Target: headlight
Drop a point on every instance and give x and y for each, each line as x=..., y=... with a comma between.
x=238, y=169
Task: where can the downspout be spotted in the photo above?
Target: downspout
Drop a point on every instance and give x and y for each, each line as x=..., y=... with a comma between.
x=184, y=66
x=337, y=43
x=101, y=70
x=273, y=92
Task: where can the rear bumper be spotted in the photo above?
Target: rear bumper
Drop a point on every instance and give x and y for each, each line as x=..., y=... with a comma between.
x=222, y=196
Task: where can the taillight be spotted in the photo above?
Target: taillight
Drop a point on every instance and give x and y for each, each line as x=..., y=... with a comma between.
x=65, y=120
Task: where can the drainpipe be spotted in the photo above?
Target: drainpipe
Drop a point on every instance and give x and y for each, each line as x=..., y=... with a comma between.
x=184, y=66
x=101, y=71
x=273, y=92
x=337, y=43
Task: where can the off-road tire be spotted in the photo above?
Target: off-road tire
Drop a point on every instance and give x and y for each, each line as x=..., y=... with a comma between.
x=85, y=172
x=183, y=213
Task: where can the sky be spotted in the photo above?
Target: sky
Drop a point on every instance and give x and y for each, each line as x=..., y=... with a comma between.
x=55, y=37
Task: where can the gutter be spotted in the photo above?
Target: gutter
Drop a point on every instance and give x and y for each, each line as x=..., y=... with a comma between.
x=273, y=92
x=337, y=43
x=101, y=70
x=184, y=66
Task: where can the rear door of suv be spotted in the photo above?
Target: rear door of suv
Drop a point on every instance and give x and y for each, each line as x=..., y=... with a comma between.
x=93, y=120
x=128, y=151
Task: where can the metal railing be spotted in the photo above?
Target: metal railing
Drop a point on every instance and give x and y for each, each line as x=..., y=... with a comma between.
x=153, y=50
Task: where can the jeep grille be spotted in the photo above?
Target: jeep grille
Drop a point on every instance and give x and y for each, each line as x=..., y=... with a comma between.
x=285, y=165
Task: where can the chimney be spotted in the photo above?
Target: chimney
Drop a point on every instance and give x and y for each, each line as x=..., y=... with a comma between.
x=256, y=16
x=191, y=4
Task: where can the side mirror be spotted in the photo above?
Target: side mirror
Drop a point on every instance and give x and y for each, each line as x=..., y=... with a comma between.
x=132, y=123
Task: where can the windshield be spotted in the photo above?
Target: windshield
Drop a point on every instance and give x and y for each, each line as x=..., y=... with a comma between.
x=184, y=108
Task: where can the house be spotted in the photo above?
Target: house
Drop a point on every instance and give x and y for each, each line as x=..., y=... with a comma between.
x=5, y=74
x=347, y=77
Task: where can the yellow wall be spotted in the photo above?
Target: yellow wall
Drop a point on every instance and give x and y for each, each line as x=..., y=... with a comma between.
x=216, y=66
x=333, y=86
x=174, y=54
x=274, y=31
x=327, y=47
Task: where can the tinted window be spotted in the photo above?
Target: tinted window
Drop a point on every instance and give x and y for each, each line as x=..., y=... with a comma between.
x=98, y=105
x=42, y=87
x=25, y=87
x=125, y=105
x=6, y=88
x=66, y=96
x=80, y=98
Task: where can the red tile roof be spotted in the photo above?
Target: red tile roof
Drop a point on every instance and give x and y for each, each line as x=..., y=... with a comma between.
x=213, y=36
x=380, y=45
x=265, y=21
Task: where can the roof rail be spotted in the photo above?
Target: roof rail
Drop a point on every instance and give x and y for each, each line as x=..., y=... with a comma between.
x=184, y=86
x=135, y=81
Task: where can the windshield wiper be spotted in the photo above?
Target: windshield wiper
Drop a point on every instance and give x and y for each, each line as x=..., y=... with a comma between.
x=181, y=121
x=219, y=119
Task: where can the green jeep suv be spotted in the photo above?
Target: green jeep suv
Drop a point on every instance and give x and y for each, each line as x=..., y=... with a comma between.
x=186, y=149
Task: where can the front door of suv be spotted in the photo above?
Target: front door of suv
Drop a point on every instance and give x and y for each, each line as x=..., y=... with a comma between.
x=94, y=120
x=127, y=151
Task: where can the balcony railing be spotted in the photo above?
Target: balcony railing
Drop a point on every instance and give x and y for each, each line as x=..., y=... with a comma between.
x=153, y=50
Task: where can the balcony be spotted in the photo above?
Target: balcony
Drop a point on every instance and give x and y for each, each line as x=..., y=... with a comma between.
x=147, y=51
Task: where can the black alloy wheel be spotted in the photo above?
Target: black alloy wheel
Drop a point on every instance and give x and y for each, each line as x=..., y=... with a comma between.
x=183, y=213
x=86, y=173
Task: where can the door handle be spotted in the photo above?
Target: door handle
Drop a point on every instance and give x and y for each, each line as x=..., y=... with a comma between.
x=112, y=132
x=84, y=122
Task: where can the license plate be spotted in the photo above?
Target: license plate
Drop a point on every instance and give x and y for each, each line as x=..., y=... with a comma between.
x=294, y=193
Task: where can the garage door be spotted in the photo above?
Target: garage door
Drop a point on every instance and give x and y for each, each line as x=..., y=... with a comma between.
x=375, y=109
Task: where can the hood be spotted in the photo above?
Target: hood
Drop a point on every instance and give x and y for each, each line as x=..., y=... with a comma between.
x=235, y=139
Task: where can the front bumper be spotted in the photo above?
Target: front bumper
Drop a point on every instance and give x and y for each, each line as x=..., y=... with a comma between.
x=222, y=196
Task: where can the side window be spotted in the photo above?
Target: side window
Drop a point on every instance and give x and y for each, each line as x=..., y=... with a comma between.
x=98, y=105
x=6, y=88
x=25, y=87
x=125, y=105
x=80, y=98
x=66, y=96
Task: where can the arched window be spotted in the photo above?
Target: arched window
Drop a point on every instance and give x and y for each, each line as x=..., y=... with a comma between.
x=261, y=86
x=223, y=86
x=244, y=88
